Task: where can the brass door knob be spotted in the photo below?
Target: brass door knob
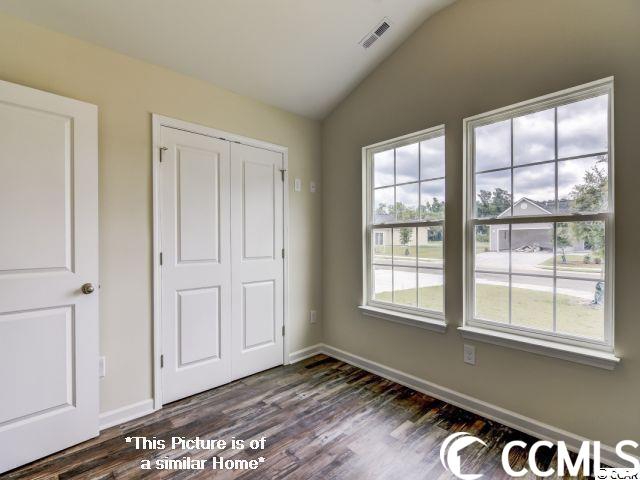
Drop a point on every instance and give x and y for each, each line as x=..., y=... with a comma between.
x=87, y=288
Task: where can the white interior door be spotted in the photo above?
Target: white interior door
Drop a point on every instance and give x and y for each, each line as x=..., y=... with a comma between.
x=196, y=263
x=257, y=259
x=48, y=250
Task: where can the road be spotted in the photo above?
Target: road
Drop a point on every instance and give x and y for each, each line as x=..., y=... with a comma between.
x=523, y=264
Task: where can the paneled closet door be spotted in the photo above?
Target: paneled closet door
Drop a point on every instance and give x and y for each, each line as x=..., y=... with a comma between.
x=196, y=263
x=257, y=259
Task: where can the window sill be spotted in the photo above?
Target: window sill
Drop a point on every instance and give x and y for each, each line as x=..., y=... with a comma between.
x=585, y=356
x=405, y=318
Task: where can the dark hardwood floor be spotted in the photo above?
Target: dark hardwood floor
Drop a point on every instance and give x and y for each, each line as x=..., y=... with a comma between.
x=323, y=419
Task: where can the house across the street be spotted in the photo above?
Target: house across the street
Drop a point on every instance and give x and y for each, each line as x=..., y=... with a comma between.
x=539, y=235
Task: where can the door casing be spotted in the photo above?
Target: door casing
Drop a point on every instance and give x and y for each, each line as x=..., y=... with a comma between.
x=158, y=121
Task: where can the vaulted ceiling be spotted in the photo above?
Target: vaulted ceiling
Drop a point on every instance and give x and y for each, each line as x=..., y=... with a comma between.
x=303, y=56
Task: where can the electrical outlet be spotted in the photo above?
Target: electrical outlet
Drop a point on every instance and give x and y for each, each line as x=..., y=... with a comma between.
x=470, y=354
x=313, y=316
x=312, y=187
x=102, y=367
x=297, y=185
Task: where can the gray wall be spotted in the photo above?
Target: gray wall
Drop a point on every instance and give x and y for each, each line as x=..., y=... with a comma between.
x=470, y=58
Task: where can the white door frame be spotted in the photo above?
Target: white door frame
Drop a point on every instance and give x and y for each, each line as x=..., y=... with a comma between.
x=158, y=121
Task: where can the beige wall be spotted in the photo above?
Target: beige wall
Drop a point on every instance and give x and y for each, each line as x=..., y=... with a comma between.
x=127, y=91
x=472, y=57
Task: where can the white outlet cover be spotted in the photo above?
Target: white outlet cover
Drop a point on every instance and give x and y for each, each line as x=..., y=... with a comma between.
x=297, y=185
x=313, y=316
x=470, y=354
x=312, y=187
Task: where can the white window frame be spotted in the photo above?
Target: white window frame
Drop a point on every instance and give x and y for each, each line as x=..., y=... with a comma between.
x=423, y=318
x=581, y=350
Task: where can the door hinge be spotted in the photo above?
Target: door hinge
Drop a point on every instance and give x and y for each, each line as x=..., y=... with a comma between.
x=283, y=253
x=282, y=172
x=161, y=361
x=283, y=330
x=162, y=149
x=160, y=258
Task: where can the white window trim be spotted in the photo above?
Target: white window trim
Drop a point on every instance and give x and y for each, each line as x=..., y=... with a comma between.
x=406, y=315
x=600, y=354
x=571, y=353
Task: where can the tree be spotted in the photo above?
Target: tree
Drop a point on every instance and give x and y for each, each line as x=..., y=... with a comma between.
x=432, y=210
x=405, y=237
x=403, y=212
x=591, y=196
x=492, y=204
x=382, y=209
x=563, y=239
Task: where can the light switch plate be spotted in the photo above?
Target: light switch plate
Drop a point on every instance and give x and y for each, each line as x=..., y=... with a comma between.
x=313, y=316
x=470, y=354
x=297, y=185
x=312, y=187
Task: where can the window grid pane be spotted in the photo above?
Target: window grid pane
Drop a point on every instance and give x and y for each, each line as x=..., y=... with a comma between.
x=406, y=269
x=555, y=281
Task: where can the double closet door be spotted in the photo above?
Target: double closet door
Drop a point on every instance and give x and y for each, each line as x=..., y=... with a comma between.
x=221, y=275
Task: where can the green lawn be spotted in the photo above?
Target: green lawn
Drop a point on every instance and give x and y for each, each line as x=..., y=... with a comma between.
x=482, y=247
x=433, y=250
x=430, y=297
x=574, y=262
x=533, y=309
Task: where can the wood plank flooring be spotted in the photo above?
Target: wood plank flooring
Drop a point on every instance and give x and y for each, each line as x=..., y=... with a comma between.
x=323, y=419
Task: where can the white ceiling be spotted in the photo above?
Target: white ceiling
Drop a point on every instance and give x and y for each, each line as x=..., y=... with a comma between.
x=299, y=55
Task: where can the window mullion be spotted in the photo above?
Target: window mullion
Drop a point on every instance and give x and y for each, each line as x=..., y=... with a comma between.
x=417, y=270
x=510, y=228
x=555, y=224
x=555, y=278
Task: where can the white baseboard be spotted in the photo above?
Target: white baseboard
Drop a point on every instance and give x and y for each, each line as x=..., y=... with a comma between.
x=501, y=415
x=304, y=353
x=506, y=417
x=126, y=413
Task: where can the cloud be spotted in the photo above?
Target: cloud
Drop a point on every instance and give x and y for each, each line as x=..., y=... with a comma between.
x=408, y=195
x=582, y=127
x=383, y=168
x=432, y=159
x=407, y=163
x=536, y=182
x=534, y=137
x=493, y=145
x=429, y=190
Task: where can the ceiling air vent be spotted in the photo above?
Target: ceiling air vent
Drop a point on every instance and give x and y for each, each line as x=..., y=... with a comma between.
x=370, y=40
x=384, y=26
x=371, y=37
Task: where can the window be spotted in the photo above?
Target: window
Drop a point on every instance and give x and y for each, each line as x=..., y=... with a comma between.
x=539, y=218
x=404, y=208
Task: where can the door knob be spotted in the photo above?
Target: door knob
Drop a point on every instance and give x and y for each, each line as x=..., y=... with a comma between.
x=87, y=288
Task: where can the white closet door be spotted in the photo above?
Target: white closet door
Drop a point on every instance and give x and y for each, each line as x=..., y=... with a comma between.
x=48, y=250
x=257, y=264
x=196, y=266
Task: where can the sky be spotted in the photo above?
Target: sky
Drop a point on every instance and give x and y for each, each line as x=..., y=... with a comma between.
x=582, y=129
